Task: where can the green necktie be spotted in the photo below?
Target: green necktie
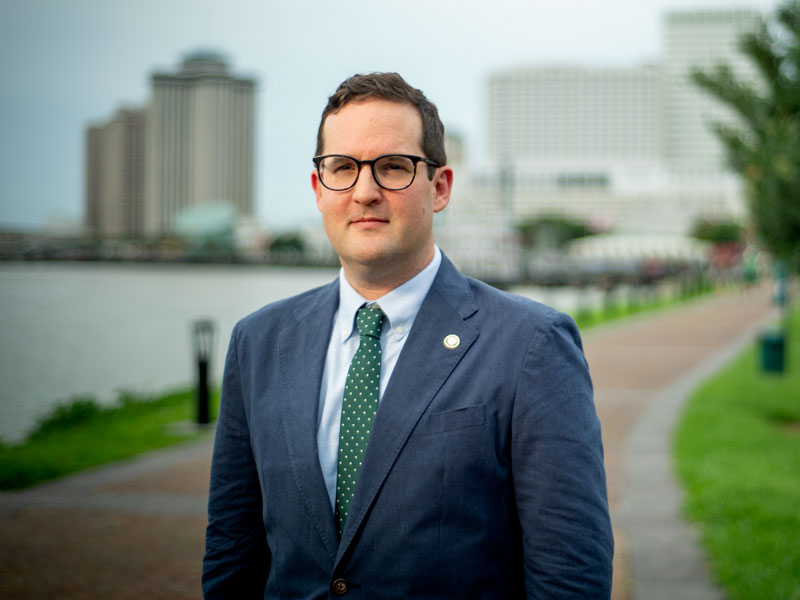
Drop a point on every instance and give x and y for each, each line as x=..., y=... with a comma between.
x=359, y=404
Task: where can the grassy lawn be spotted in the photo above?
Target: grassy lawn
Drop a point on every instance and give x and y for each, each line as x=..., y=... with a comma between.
x=737, y=450
x=82, y=434
x=619, y=308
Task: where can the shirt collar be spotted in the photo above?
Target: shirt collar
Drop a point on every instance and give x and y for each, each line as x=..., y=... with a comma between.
x=400, y=306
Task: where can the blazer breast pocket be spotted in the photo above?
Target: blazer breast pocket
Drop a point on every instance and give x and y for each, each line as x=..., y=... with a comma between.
x=451, y=420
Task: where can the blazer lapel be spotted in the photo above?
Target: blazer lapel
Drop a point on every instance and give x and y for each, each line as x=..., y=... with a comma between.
x=423, y=366
x=302, y=346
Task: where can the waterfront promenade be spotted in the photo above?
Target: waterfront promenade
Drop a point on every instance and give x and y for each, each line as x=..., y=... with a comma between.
x=136, y=529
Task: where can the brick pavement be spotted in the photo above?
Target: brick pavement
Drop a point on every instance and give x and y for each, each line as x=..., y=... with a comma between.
x=135, y=529
x=637, y=366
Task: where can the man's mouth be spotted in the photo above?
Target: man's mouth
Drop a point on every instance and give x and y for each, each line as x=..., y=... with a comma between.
x=367, y=222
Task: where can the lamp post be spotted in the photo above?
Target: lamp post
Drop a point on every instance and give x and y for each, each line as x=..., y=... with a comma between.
x=773, y=339
x=203, y=341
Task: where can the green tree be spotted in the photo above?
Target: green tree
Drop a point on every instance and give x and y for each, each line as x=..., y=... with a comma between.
x=717, y=232
x=289, y=241
x=764, y=147
x=551, y=231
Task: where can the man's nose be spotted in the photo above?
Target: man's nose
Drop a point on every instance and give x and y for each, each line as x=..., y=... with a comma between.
x=366, y=190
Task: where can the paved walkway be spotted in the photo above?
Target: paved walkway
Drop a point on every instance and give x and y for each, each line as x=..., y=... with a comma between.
x=644, y=370
x=136, y=529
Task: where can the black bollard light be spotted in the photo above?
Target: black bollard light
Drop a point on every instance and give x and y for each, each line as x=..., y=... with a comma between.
x=203, y=340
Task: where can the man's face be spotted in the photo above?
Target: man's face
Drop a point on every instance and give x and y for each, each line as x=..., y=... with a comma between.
x=368, y=226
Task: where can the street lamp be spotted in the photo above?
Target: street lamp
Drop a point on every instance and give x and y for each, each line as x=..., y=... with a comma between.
x=203, y=341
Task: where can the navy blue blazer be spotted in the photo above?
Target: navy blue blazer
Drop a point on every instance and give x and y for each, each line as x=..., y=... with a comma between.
x=483, y=476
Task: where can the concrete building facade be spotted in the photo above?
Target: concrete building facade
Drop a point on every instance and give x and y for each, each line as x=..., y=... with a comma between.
x=575, y=113
x=475, y=230
x=115, y=158
x=700, y=39
x=200, y=141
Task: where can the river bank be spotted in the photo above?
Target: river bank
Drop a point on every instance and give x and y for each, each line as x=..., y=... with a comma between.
x=98, y=329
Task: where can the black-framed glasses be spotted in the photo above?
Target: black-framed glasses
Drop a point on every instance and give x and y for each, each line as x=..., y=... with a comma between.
x=339, y=172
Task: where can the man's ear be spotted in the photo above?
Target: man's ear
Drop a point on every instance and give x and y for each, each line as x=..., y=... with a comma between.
x=317, y=187
x=442, y=187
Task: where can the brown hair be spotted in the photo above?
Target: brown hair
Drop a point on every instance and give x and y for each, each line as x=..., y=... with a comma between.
x=392, y=87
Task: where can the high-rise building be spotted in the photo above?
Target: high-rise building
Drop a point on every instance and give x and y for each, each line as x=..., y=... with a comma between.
x=700, y=39
x=628, y=148
x=569, y=140
x=575, y=113
x=200, y=141
x=115, y=175
x=192, y=146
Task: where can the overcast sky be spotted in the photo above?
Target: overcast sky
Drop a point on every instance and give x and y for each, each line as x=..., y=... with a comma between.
x=68, y=63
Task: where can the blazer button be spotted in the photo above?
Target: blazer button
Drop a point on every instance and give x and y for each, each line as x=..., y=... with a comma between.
x=340, y=587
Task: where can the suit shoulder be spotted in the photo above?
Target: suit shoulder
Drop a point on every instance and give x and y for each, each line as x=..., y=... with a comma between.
x=521, y=318
x=515, y=306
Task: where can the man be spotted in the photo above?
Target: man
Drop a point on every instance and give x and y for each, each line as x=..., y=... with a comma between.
x=468, y=465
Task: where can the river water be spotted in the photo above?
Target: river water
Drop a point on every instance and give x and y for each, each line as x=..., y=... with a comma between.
x=68, y=329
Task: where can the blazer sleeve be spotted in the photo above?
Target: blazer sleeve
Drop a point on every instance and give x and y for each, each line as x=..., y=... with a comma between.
x=557, y=466
x=237, y=560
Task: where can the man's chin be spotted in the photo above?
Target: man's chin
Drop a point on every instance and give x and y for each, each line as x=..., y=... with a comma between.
x=373, y=253
x=373, y=258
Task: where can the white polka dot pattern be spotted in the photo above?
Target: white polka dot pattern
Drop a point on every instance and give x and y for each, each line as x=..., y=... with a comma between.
x=359, y=405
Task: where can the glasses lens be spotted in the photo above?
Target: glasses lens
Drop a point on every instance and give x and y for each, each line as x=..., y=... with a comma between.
x=394, y=172
x=338, y=172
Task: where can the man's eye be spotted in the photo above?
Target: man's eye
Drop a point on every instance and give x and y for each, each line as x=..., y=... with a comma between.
x=402, y=166
x=340, y=166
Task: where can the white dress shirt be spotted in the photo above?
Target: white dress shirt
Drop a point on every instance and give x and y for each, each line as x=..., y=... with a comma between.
x=400, y=306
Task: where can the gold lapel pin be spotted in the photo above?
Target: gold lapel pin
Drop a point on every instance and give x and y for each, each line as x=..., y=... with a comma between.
x=451, y=341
